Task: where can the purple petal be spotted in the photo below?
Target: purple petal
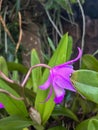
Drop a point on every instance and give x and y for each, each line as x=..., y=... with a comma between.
x=59, y=99
x=64, y=83
x=46, y=84
x=77, y=58
x=71, y=61
x=59, y=92
x=1, y=105
x=65, y=71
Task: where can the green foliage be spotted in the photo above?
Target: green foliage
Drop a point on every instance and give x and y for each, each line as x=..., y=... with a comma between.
x=89, y=62
x=90, y=124
x=12, y=106
x=75, y=1
x=86, y=83
x=15, y=75
x=17, y=66
x=9, y=103
x=51, y=44
x=84, y=80
x=63, y=111
x=36, y=73
x=59, y=56
x=14, y=123
x=3, y=66
x=64, y=4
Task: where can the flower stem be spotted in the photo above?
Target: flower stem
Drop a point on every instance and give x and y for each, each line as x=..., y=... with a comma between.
x=83, y=30
x=30, y=70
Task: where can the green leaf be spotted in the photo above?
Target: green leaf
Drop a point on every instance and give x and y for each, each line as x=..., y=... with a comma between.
x=36, y=73
x=59, y=56
x=90, y=124
x=3, y=66
x=51, y=44
x=12, y=106
x=29, y=94
x=57, y=128
x=69, y=48
x=17, y=88
x=59, y=110
x=16, y=66
x=12, y=66
x=14, y=123
x=86, y=83
x=89, y=62
x=15, y=75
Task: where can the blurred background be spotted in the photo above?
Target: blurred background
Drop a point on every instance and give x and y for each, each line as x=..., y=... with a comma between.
x=39, y=24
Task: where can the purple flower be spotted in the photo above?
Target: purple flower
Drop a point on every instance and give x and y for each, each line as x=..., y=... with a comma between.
x=59, y=80
x=1, y=105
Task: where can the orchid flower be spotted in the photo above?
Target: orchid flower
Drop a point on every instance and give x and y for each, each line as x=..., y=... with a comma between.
x=1, y=105
x=59, y=80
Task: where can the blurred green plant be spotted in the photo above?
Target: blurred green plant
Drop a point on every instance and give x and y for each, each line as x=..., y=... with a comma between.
x=23, y=108
x=23, y=100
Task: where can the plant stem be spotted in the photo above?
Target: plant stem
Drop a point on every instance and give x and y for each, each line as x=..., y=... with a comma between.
x=30, y=70
x=83, y=34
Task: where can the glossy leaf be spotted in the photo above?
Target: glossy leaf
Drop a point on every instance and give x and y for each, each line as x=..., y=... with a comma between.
x=59, y=56
x=86, y=83
x=17, y=66
x=36, y=73
x=12, y=106
x=59, y=110
x=29, y=94
x=17, y=123
x=90, y=124
x=14, y=123
x=89, y=62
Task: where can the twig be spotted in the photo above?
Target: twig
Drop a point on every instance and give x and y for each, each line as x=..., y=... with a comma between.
x=11, y=95
x=60, y=26
x=53, y=23
x=20, y=34
x=83, y=34
x=68, y=20
x=2, y=75
x=5, y=28
x=27, y=4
